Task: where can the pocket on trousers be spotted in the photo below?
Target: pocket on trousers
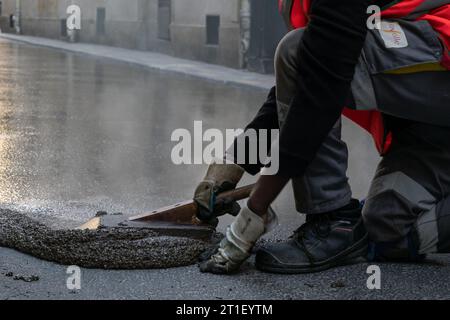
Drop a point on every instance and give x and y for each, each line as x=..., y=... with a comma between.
x=406, y=78
x=401, y=44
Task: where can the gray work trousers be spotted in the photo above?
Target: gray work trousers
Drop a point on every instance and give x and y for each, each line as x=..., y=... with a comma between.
x=410, y=195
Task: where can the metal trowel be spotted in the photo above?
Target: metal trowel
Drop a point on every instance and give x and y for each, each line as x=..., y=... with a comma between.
x=176, y=220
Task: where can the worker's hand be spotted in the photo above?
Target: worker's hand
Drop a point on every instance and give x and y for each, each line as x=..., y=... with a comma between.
x=238, y=243
x=219, y=178
x=236, y=247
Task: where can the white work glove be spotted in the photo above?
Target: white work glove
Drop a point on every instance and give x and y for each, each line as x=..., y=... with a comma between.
x=238, y=243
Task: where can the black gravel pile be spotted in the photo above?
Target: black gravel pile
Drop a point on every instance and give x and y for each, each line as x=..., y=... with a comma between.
x=119, y=248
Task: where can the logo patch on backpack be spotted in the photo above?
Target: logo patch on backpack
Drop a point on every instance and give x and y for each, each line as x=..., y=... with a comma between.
x=393, y=35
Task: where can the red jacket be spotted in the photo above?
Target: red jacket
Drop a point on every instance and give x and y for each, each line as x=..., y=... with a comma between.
x=436, y=12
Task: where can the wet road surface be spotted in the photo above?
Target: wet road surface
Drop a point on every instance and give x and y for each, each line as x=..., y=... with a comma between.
x=80, y=134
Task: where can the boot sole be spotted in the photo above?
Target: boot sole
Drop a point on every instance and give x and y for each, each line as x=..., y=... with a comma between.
x=358, y=250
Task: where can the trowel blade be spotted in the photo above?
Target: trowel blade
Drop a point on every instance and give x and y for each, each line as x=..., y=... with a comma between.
x=162, y=228
x=92, y=224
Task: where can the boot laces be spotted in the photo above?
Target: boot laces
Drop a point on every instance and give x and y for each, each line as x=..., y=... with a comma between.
x=316, y=226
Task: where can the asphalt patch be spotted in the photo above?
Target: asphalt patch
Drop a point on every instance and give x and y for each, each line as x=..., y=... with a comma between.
x=115, y=248
x=17, y=277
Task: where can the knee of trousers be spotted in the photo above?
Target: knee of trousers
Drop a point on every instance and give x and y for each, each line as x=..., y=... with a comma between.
x=286, y=52
x=393, y=206
x=380, y=214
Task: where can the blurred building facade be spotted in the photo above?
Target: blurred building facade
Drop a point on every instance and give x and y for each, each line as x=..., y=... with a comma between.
x=234, y=33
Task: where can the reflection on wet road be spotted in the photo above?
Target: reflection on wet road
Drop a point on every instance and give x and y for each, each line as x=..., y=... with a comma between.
x=80, y=134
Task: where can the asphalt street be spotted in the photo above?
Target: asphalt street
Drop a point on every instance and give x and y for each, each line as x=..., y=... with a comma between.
x=81, y=134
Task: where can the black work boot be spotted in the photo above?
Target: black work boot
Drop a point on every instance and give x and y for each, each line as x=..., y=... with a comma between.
x=324, y=241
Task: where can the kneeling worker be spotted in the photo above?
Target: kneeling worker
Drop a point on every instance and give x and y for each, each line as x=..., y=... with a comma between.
x=394, y=82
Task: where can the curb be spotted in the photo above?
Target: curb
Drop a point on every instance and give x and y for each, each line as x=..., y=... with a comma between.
x=156, y=61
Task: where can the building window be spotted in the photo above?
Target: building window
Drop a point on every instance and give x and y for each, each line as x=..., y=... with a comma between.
x=164, y=19
x=101, y=18
x=63, y=28
x=1, y=8
x=212, y=29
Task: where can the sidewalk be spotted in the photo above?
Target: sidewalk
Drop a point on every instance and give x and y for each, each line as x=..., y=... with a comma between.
x=156, y=61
